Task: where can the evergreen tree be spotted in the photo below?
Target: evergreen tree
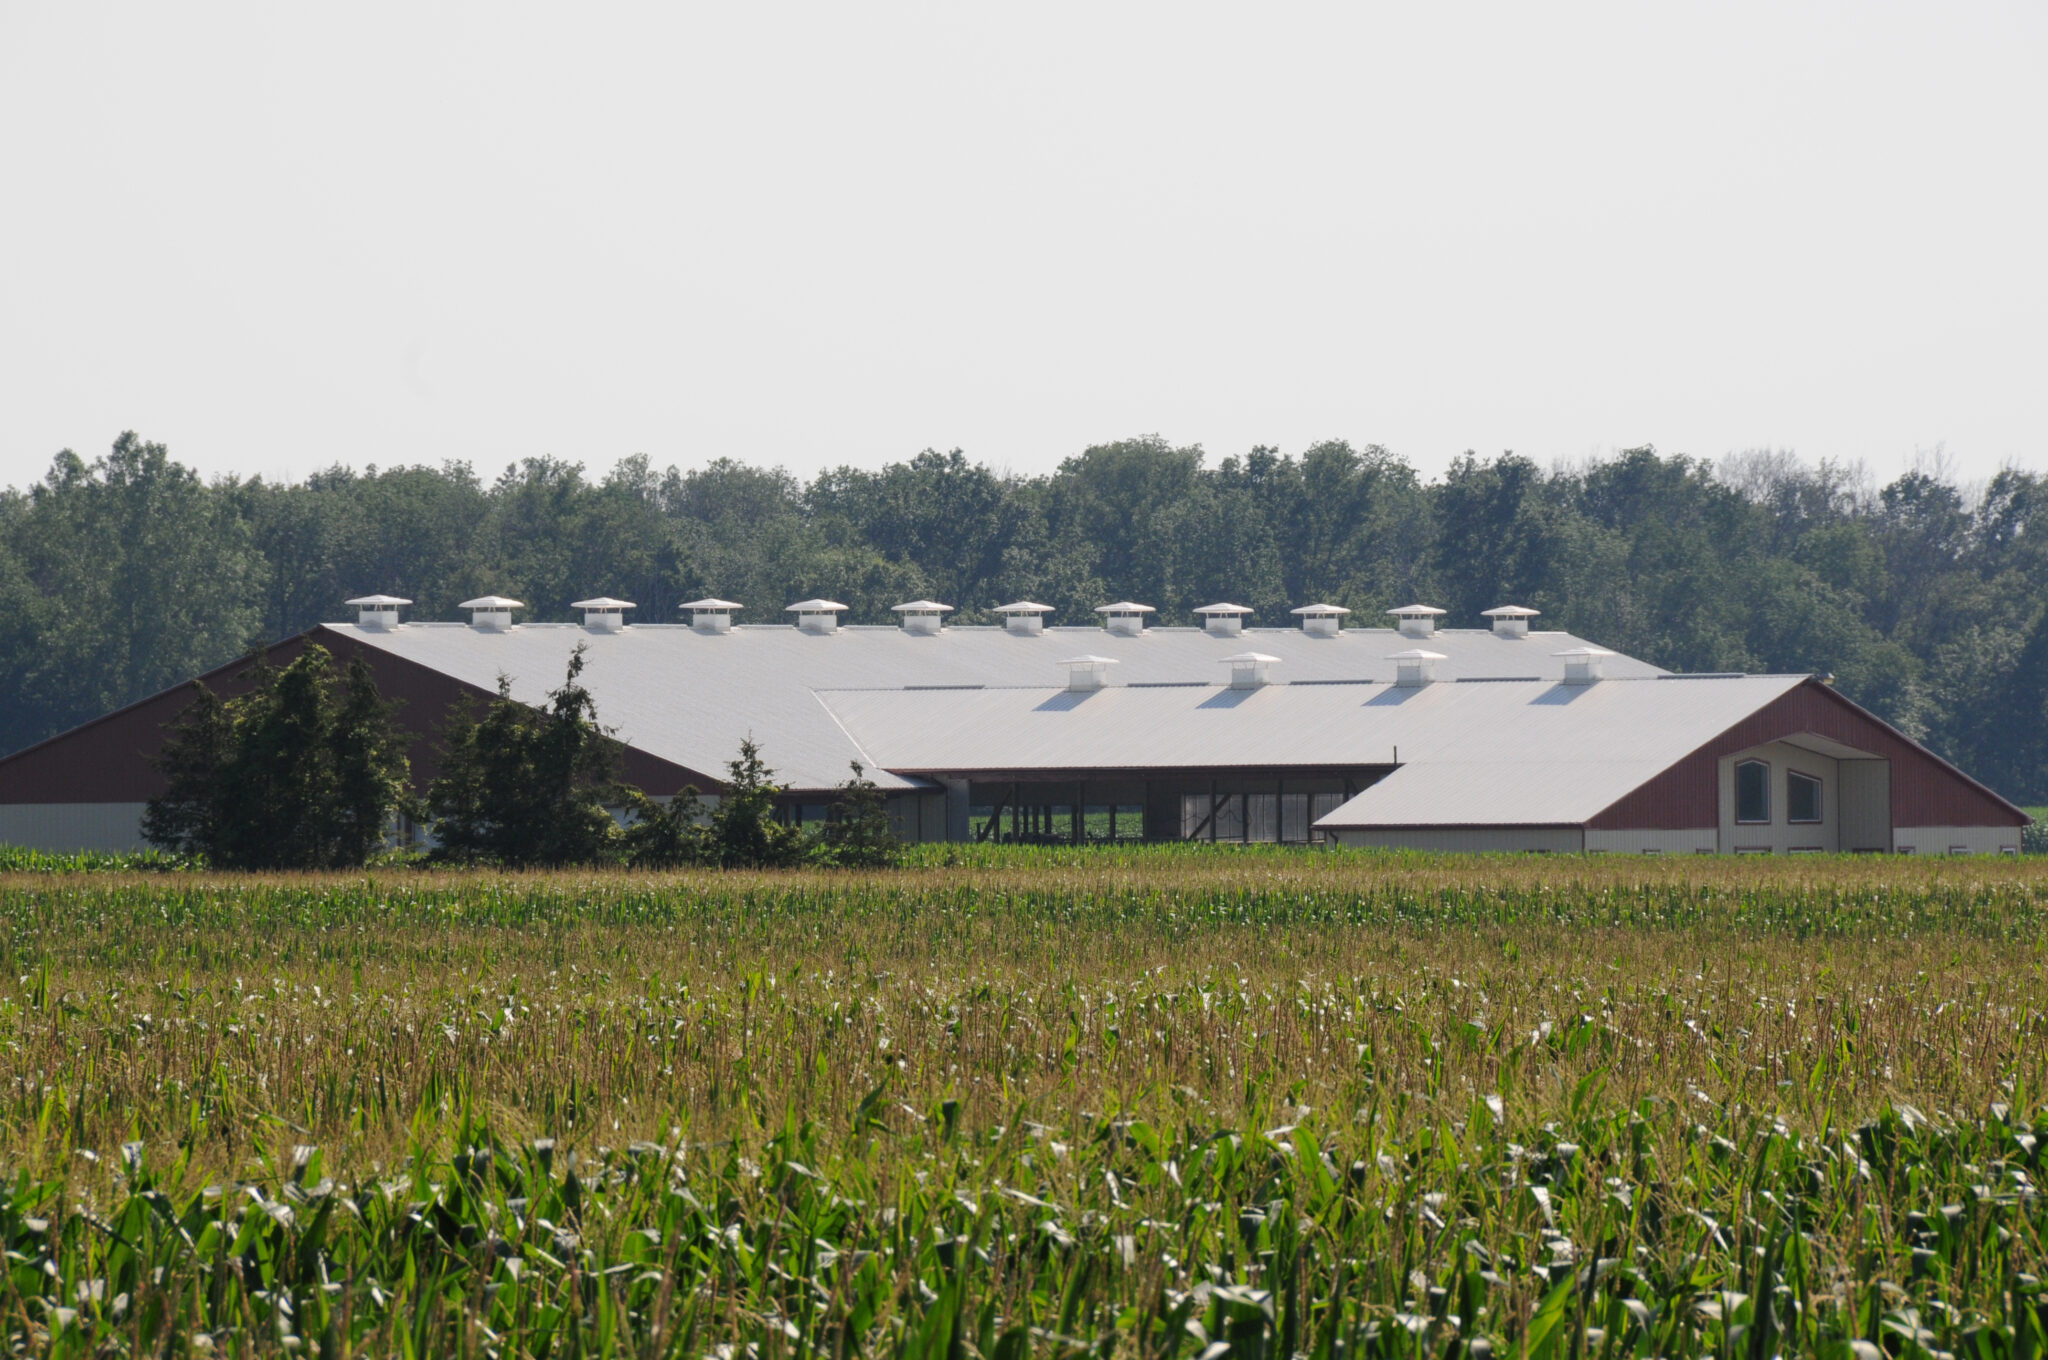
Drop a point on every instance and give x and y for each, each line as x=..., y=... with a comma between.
x=859, y=834
x=289, y=775
x=524, y=786
x=744, y=830
x=667, y=835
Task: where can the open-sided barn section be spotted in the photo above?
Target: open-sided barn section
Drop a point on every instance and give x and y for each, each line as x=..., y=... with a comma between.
x=1495, y=738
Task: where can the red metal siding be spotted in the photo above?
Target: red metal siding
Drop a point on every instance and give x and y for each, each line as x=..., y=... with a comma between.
x=1926, y=790
x=107, y=760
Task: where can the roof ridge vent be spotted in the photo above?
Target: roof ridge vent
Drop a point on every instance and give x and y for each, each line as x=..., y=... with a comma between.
x=1510, y=620
x=1023, y=617
x=1582, y=664
x=1320, y=620
x=711, y=615
x=1223, y=620
x=1251, y=670
x=491, y=613
x=1415, y=667
x=922, y=616
x=1087, y=672
x=1124, y=618
x=816, y=616
x=603, y=614
x=377, y=612
x=1417, y=620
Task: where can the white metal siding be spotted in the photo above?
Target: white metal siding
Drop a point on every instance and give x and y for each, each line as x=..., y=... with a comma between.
x=1943, y=840
x=1691, y=841
x=64, y=827
x=1555, y=840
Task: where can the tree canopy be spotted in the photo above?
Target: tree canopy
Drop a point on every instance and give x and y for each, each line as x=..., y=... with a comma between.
x=1927, y=600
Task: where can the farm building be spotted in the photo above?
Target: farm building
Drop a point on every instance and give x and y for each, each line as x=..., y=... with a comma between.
x=1503, y=737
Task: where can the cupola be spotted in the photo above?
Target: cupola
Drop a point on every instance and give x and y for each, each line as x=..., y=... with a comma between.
x=816, y=616
x=1088, y=672
x=490, y=613
x=1222, y=620
x=1510, y=620
x=922, y=616
x=1320, y=620
x=1250, y=670
x=1582, y=664
x=711, y=616
x=1024, y=618
x=1124, y=618
x=1417, y=620
x=604, y=614
x=1415, y=668
x=378, y=612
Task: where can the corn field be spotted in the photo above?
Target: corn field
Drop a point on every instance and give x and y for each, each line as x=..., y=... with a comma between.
x=1138, y=1102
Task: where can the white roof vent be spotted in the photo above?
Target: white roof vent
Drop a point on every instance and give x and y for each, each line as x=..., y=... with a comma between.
x=1415, y=668
x=1582, y=664
x=491, y=613
x=1320, y=620
x=816, y=616
x=604, y=614
x=1023, y=617
x=711, y=615
x=1510, y=620
x=1417, y=620
x=1088, y=672
x=1222, y=620
x=923, y=616
x=377, y=611
x=1250, y=670
x=1124, y=618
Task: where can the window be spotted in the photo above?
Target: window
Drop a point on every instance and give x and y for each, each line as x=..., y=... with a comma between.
x=1753, y=791
x=1752, y=849
x=1261, y=816
x=1802, y=797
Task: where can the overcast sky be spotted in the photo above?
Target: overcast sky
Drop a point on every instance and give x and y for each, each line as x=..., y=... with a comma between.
x=281, y=236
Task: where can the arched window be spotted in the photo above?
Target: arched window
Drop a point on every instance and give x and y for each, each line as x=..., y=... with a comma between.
x=1802, y=797
x=1753, y=791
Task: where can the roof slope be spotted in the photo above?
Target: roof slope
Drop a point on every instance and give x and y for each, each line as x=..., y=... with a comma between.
x=1496, y=753
x=690, y=697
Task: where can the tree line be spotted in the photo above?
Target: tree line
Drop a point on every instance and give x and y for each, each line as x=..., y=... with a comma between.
x=127, y=574
x=306, y=768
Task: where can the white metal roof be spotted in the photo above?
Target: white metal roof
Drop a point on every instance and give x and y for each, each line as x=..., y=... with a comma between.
x=1497, y=753
x=1417, y=611
x=374, y=601
x=492, y=602
x=922, y=607
x=603, y=603
x=1321, y=611
x=1224, y=609
x=814, y=607
x=1509, y=611
x=1125, y=607
x=690, y=697
x=711, y=605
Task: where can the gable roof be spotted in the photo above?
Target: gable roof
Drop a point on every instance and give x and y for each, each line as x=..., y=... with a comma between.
x=689, y=697
x=1527, y=752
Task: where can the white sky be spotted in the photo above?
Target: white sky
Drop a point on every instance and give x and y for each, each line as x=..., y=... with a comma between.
x=279, y=236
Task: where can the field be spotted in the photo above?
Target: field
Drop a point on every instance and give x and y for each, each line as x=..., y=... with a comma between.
x=1124, y=1102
